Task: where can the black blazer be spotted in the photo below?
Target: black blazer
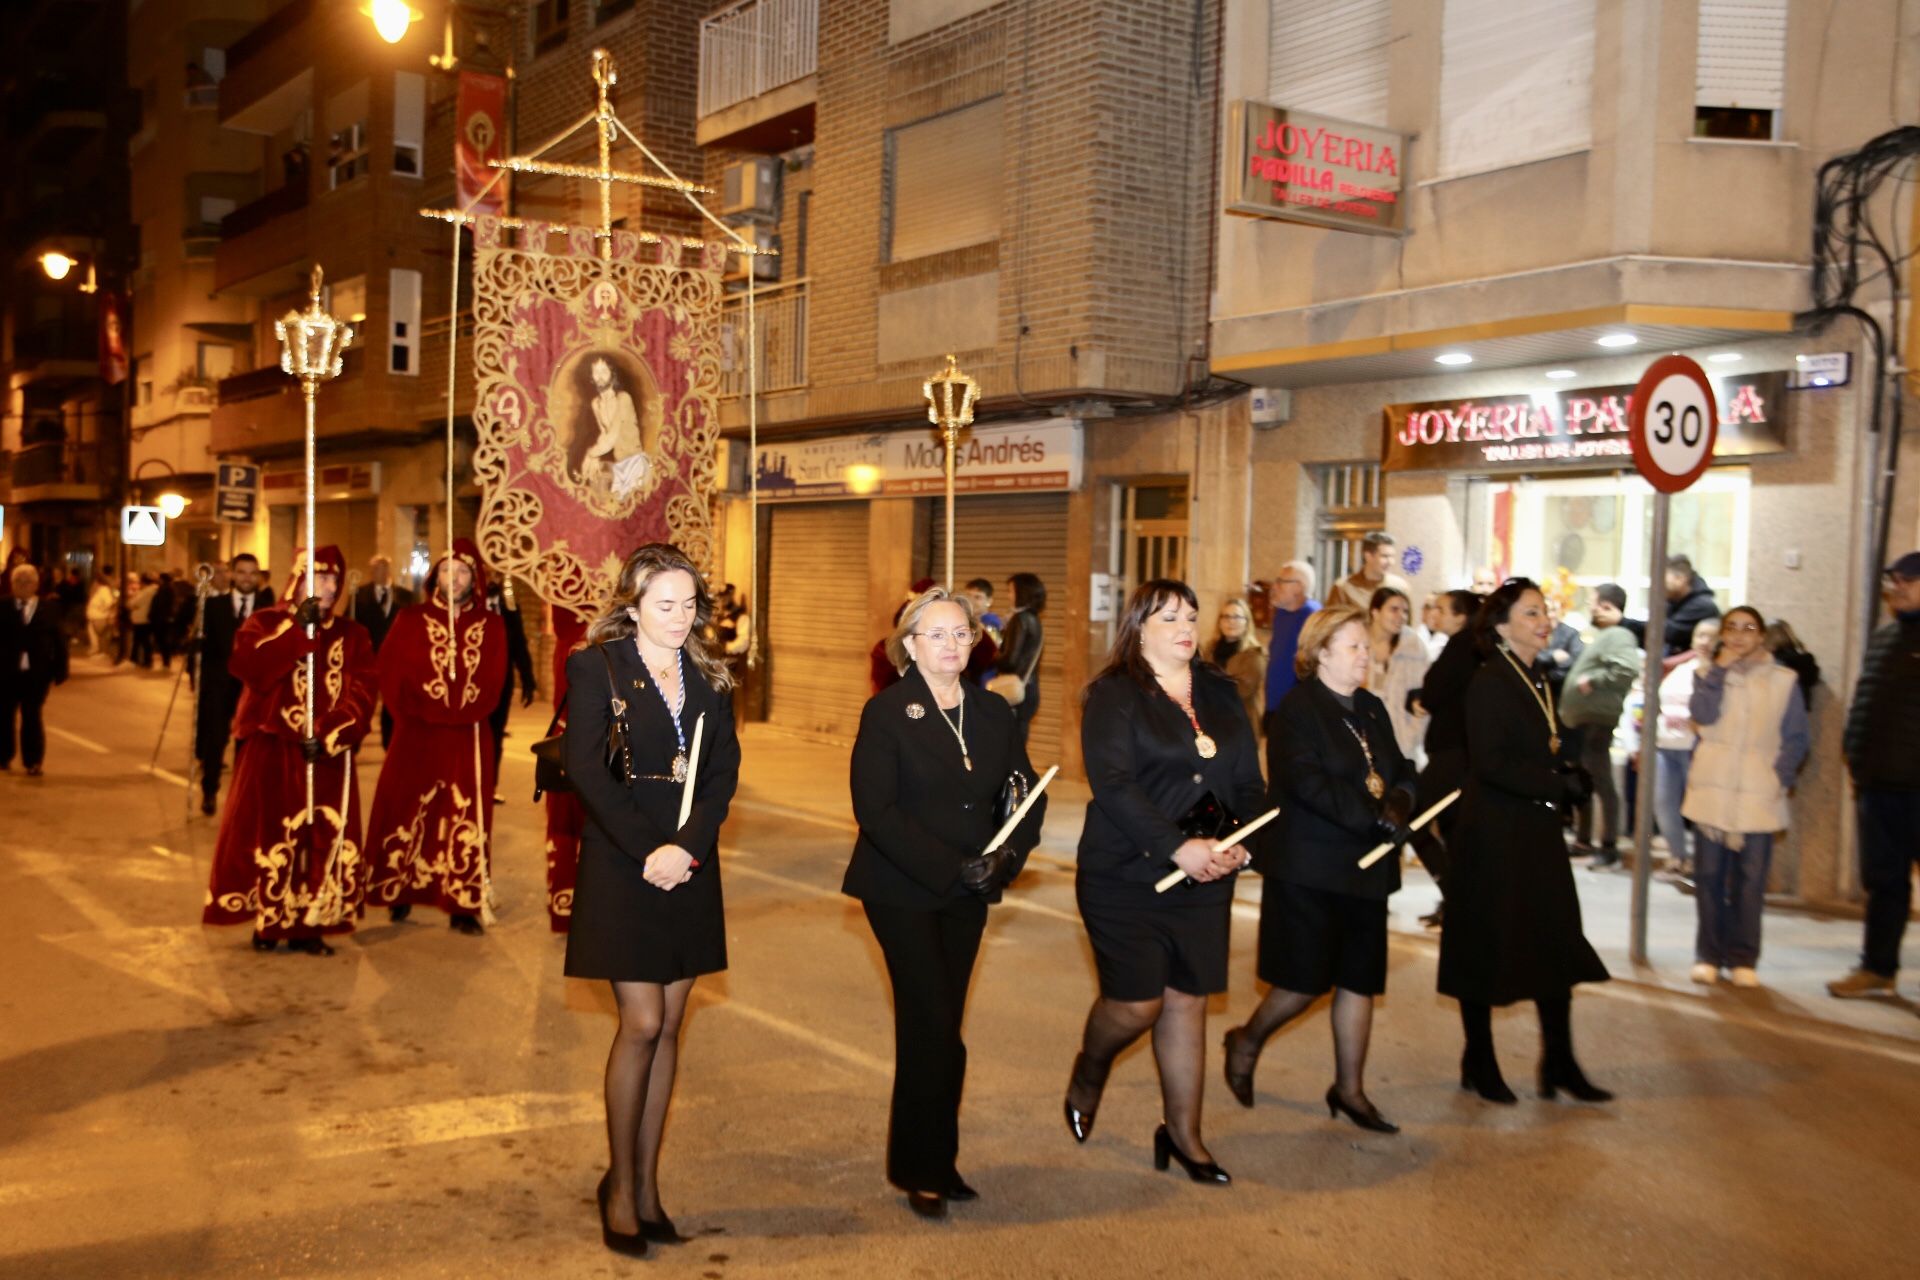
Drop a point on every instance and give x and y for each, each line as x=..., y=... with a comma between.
x=1146, y=775
x=1443, y=692
x=920, y=812
x=638, y=818
x=219, y=624
x=41, y=640
x=366, y=610
x=519, y=656
x=1319, y=773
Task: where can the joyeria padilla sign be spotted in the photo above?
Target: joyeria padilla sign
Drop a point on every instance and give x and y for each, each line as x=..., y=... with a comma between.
x=1585, y=427
x=1301, y=167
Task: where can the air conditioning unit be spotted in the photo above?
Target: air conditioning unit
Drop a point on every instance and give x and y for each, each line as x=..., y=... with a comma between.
x=1271, y=406
x=765, y=268
x=751, y=188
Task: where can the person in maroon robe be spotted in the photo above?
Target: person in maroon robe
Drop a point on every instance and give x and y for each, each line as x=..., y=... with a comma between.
x=297, y=873
x=441, y=670
x=566, y=820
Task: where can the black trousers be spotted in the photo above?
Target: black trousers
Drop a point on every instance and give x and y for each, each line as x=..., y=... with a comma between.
x=1889, y=846
x=22, y=696
x=1593, y=748
x=930, y=958
x=213, y=729
x=498, y=719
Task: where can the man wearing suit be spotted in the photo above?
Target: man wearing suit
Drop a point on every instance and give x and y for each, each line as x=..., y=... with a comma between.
x=221, y=620
x=33, y=658
x=375, y=606
x=500, y=602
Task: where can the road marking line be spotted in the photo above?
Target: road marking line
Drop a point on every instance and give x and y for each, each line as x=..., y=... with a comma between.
x=167, y=775
x=798, y=815
x=755, y=873
x=453, y=1120
x=79, y=741
x=807, y=1035
x=165, y=852
x=1021, y=904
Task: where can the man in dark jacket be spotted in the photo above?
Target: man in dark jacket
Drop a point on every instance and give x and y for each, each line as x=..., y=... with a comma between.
x=1883, y=754
x=1444, y=695
x=375, y=606
x=33, y=658
x=224, y=614
x=1689, y=602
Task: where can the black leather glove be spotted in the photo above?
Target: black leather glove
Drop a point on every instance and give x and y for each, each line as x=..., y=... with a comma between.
x=526, y=695
x=311, y=749
x=1387, y=831
x=308, y=613
x=1578, y=784
x=1397, y=807
x=982, y=874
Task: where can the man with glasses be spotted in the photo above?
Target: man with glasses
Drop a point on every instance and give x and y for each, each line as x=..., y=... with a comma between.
x=1882, y=744
x=1291, y=598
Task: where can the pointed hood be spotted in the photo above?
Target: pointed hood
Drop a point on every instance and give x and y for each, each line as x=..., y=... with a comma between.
x=466, y=553
x=325, y=560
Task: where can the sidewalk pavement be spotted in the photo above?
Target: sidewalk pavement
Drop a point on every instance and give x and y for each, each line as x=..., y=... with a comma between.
x=801, y=777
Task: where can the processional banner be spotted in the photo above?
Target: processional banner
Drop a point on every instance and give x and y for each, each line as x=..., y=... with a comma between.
x=595, y=405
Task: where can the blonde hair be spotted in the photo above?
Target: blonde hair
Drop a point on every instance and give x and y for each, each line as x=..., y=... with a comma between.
x=1319, y=632
x=910, y=618
x=641, y=568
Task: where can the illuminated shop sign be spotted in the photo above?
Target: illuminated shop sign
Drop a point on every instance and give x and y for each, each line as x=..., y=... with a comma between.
x=1301, y=167
x=1042, y=456
x=1584, y=427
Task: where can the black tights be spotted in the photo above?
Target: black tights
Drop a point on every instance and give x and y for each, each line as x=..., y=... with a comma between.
x=1556, y=1032
x=640, y=1067
x=1352, y=1028
x=1179, y=1025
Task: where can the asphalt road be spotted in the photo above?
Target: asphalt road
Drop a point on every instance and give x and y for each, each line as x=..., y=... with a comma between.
x=424, y=1104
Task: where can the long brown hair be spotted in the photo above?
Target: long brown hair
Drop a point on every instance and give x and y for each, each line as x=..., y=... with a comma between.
x=641, y=568
x=1147, y=598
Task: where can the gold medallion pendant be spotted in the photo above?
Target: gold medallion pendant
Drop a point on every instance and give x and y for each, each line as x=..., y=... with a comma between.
x=1553, y=744
x=679, y=766
x=967, y=761
x=1376, y=785
x=1206, y=746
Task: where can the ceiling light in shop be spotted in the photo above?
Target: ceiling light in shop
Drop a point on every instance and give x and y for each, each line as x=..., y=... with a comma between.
x=1562, y=373
x=1453, y=357
x=1725, y=357
x=1617, y=340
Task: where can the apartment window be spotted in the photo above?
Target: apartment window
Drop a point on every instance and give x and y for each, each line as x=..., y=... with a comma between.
x=213, y=359
x=549, y=24
x=346, y=120
x=409, y=121
x=347, y=299
x=214, y=209
x=1516, y=82
x=1740, y=71
x=1330, y=57
x=403, y=321
x=943, y=182
x=204, y=74
x=607, y=10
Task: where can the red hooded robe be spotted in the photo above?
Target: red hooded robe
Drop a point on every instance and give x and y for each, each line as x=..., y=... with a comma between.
x=432, y=823
x=287, y=877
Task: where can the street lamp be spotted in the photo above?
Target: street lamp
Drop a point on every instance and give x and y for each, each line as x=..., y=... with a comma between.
x=950, y=396
x=172, y=504
x=56, y=264
x=391, y=18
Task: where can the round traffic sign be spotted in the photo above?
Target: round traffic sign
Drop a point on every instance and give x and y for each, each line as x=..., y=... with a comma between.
x=1673, y=424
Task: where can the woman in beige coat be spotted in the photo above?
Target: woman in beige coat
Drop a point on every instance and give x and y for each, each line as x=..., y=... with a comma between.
x=1237, y=650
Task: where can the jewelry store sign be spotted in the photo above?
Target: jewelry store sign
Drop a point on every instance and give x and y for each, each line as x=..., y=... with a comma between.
x=1028, y=457
x=1584, y=427
x=1301, y=167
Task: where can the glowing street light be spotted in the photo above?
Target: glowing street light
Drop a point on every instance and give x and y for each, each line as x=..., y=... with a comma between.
x=56, y=264
x=172, y=504
x=391, y=18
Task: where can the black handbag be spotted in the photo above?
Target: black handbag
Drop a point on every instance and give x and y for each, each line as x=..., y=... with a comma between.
x=1207, y=820
x=549, y=754
x=1013, y=793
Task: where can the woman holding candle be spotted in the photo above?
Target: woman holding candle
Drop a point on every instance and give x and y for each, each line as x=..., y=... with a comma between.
x=642, y=693
x=936, y=757
x=1173, y=764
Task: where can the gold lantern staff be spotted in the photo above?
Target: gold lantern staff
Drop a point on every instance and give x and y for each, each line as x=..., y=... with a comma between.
x=310, y=345
x=950, y=398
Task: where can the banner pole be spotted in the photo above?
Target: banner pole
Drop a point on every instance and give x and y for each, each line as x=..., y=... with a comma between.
x=1649, y=728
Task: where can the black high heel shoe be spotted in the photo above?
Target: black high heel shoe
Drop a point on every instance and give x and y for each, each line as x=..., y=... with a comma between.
x=928, y=1204
x=959, y=1190
x=1570, y=1077
x=1485, y=1079
x=1164, y=1152
x=661, y=1231
x=633, y=1245
x=1370, y=1119
x=1080, y=1123
x=261, y=942
x=1239, y=1085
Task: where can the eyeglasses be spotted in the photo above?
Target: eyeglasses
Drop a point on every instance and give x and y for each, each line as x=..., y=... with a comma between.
x=961, y=636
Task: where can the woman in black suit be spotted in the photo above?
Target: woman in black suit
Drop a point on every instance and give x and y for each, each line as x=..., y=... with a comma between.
x=1513, y=917
x=647, y=911
x=934, y=752
x=1022, y=642
x=1343, y=787
x=1172, y=762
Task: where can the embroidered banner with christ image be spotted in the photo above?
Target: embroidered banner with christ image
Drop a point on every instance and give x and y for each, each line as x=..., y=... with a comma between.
x=595, y=406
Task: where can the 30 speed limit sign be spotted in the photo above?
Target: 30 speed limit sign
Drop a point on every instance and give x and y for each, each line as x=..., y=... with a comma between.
x=1673, y=424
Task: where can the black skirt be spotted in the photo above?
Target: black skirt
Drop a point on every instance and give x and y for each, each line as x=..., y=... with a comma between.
x=1140, y=951
x=1312, y=940
x=625, y=930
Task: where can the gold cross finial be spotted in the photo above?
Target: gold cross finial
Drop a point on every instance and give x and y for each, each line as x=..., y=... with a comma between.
x=313, y=285
x=604, y=74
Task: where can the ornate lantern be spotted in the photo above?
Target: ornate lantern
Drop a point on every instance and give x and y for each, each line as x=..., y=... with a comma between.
x=950, y=398
x=312, y=341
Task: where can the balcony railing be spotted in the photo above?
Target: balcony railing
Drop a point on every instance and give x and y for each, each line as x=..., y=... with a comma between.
x=61, y=462
x=780, y=334
x=756, y=45
x=285, y=198
x=254, y=384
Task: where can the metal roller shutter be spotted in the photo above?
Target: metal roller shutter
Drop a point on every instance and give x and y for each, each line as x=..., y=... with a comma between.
x=816, y=600
x=996, y=536
x=1516, y=82
x=1742, y=60
x=1330, y=57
